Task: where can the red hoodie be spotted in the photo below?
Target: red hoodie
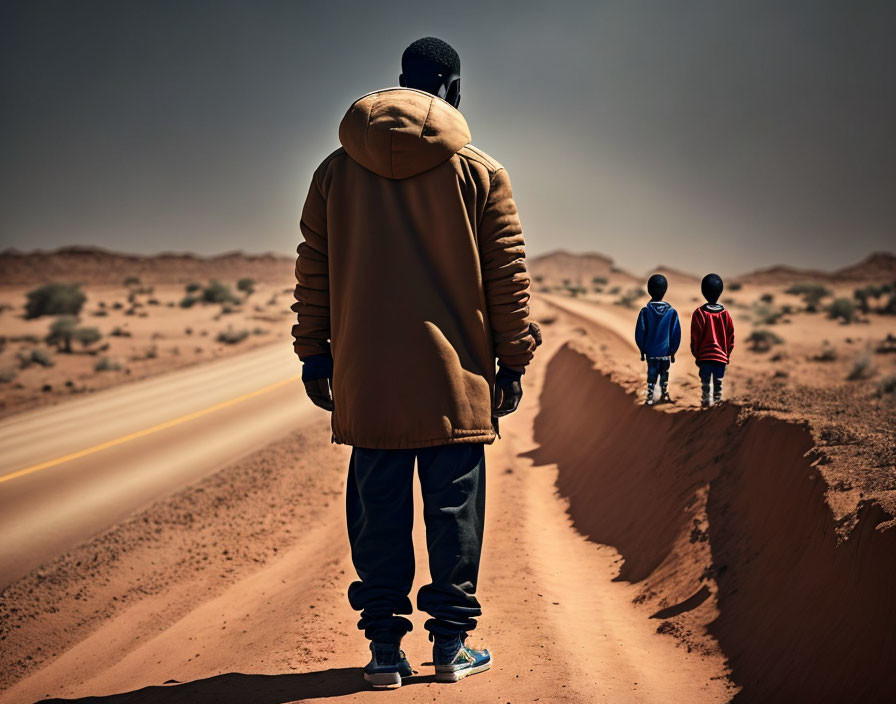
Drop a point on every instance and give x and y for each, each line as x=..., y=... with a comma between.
x=712, y=333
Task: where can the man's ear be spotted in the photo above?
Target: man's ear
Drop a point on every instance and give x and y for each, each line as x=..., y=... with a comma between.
x=452, y=96
x=401, y=81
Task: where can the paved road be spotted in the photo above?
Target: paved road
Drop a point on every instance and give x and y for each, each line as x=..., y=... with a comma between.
x=69, y=471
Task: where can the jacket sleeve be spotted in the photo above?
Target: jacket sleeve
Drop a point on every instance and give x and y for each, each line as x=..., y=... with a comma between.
x=640, y=331
x=674, y=333
x=504, y=276
x=312, y=293
x=730, y=332
x=696, y=331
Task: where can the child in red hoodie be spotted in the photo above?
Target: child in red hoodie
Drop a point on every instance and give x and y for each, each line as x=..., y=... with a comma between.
x=712, y=338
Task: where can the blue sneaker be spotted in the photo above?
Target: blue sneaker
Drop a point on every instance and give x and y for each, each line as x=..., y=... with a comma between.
x=387, y=665
x=454, y=660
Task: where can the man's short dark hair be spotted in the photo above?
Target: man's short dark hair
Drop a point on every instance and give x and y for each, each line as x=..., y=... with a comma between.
x=429, y=56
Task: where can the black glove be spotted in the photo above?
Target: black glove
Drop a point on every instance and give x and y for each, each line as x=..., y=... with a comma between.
x=642, y=356
x=508, y=391
x=535, y=332
x=317, y=376
x=672, y=359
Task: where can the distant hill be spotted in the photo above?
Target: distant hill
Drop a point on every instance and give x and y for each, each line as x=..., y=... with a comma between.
x=93, y=265
x=879, y=266
x=554, y=267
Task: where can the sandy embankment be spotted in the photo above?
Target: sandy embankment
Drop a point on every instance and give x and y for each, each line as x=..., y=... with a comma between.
x=722, y=521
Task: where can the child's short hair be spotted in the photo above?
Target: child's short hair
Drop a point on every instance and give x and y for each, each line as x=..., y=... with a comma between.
x=656, y=286
x=712, y=287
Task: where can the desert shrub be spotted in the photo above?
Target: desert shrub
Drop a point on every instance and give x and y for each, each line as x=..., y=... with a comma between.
x=864, y=295
x=62, y=332
x=132, y=281
x=828, y=353
x=887, y=345
x=150, y=352
x=887, y=385
x=107, y=364
x=246, y=285
x=188, y=301
x=153, y=302
x=8, y=374
x=811, y=294
x=87, y=336
x=768, y=315
x=231, y=336
x=615, y=290
x=862, y=368
x=735, y=286
x=216, y=292
x=600, y=280
x=119, y=331
x=37, y=356
x=100, y=313
x=118, y=305
x=763, y=340
x=54, y=299
x=842, y=309
x=890, y=307
x=259, y=331
x=575, y=290
x=227, y=309
x=193, y=287
x=767, y=298
x=627, y=300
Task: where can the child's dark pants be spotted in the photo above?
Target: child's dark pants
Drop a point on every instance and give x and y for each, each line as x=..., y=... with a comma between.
x=657, y=367
x=379, y=506
x=711, y=369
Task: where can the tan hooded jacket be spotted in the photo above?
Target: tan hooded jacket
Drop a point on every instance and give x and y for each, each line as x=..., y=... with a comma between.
x=413, y=270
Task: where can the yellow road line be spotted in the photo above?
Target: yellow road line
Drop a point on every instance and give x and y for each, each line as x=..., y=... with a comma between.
x=146, y=431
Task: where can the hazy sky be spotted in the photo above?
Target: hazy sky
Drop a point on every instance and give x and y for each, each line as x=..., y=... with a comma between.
x=697, y=134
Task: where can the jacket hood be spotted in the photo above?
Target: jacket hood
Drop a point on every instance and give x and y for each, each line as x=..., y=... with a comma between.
x=713, y=307
x=401, y=132
x=658, y=308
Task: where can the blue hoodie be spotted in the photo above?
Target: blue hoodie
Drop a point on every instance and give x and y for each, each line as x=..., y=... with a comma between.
x=658, y=332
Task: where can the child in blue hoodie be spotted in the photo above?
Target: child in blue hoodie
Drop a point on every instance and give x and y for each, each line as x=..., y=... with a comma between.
x=658, y=334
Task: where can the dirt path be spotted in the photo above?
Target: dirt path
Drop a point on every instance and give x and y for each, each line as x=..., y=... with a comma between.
x=275, y=627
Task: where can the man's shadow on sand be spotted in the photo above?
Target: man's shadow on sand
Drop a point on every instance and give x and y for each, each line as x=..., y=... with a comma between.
x=237, y=688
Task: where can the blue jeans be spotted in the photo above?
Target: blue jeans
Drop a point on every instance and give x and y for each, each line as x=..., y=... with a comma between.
x=711, y=369
x=380, y=518
x=656, y=367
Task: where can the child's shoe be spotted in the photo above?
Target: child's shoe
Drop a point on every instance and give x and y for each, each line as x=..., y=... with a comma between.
x=665, y=397
x=387, y=665
x=705, y=402
x=454, y=660
x=648, y=401
x=717, y=391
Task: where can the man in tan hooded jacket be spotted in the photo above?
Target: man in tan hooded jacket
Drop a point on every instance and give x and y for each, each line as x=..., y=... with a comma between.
x=411, y=283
